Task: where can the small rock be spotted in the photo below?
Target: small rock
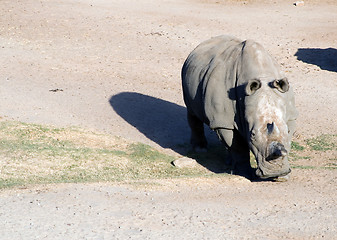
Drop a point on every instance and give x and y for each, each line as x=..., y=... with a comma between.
x=282, y=179
x=56, y=90
x=185, y=162
x=299, y=3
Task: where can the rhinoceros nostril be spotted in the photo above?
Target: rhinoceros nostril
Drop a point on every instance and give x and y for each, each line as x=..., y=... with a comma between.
x=276, y=150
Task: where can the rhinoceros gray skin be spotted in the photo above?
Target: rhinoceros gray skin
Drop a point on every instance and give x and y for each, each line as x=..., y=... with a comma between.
x=237, y=89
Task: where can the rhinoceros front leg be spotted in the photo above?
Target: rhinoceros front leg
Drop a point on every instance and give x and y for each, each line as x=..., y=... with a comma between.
x=238, y=152
x=198, y=139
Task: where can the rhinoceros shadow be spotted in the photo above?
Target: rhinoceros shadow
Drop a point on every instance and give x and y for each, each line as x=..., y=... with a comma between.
x=326, y=59
x=166, y=124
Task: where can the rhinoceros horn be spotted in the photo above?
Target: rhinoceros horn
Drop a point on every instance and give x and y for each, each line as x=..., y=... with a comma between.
x=272, y=129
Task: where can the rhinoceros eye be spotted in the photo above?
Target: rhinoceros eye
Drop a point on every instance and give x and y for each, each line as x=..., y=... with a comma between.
x=253, y=134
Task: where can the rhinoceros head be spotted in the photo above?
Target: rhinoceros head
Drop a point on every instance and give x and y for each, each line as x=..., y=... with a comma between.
x=265, y=110
x=268, y=133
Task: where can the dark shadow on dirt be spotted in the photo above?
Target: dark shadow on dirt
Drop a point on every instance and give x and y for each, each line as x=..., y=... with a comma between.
x=166, y=124
x=326, y=59
x=161, y=121
x=213, y=159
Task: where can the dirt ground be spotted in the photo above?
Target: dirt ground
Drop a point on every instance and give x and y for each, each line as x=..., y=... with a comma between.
x=114, y=66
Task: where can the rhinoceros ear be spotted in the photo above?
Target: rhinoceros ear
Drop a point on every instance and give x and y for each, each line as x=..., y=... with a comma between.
x=252, y=86
x=282, y=84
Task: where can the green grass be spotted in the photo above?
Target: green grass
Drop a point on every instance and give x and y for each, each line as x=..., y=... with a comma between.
x=323, y=143
x=35, y=154
x=303, y=167
x=323, y=146
x=296, y=146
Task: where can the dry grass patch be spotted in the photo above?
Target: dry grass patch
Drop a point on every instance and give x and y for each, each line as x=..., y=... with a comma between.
x=33, y=154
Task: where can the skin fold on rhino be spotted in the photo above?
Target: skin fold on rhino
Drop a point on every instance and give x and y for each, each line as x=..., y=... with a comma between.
x=237, y=89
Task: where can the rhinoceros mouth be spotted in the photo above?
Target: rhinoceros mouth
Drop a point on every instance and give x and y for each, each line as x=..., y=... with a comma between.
x=265, y=173
x=273, y=162
x=271, y=168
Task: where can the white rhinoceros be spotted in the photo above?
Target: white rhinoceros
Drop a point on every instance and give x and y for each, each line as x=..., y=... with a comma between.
x=237, y=89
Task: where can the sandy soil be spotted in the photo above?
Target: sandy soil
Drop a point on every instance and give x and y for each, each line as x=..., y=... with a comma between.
x=114, y=66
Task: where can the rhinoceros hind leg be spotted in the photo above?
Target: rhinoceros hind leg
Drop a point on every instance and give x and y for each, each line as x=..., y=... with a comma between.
x=198, y=139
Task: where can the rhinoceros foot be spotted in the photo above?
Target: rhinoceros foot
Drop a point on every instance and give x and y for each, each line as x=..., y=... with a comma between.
x=239, y=164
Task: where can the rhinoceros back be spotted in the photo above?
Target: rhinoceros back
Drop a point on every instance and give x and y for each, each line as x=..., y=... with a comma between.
x=208, y=75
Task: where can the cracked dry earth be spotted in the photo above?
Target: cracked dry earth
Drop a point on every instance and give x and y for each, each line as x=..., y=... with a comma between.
x=114, y=67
